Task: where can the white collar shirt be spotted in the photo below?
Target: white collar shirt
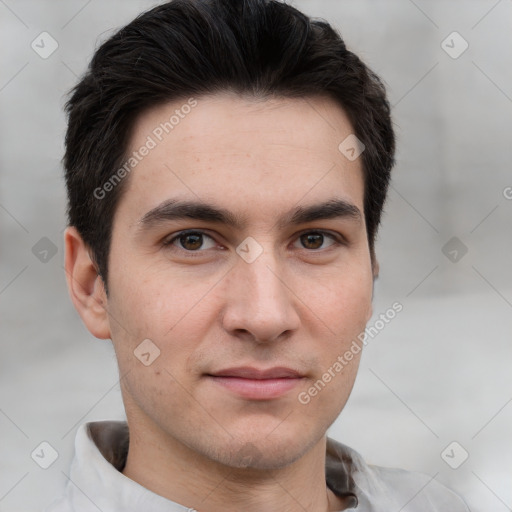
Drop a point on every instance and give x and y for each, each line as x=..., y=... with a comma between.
x=96, y=482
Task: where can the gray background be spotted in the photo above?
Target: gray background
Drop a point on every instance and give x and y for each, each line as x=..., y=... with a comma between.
x=438, y=373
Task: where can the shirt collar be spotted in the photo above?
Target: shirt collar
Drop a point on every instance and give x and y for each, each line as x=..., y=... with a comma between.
x=97, y=483
x=109, y=447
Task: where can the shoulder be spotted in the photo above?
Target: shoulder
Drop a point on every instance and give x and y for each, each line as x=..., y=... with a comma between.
x=60, y=505
x=415, y=491
x=381, y=488
x=95, y=478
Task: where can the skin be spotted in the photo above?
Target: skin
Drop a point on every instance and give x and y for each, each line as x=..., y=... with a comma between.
x=297, y=305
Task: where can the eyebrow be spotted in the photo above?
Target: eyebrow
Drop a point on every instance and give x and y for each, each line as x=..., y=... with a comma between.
x=174, y=209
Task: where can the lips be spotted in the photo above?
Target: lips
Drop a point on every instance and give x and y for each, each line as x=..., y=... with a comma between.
x=246, y=372
x=257, y=384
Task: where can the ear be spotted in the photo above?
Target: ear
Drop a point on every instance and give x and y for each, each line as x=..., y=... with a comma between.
x=375, y=272
x=375, y=268
x=85, y=285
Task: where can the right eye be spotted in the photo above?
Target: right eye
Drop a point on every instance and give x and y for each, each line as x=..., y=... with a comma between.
x=189, y=241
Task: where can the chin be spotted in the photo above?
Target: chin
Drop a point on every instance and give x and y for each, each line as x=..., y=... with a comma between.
x=264, y=452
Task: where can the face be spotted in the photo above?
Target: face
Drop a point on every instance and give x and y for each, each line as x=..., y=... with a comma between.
x=239, y=250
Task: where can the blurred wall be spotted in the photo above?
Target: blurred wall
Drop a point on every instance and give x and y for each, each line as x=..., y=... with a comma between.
x=438, y=373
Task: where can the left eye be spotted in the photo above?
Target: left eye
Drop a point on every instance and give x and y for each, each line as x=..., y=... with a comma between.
x=314, y=239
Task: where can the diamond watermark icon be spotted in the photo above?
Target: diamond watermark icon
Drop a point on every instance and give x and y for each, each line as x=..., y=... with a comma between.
x=454, y=45
x=44, y=250
x=249, y=249
x=351, y=147
x=248, y=456
x=44, y=45
x=44, y=455
x=146, y=352
x=454, y=455
x=454, y=249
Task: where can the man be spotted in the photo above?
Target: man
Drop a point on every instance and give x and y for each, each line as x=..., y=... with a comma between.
x=227, y=163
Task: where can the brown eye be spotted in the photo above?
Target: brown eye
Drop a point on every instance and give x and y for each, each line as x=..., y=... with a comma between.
x=312, y=240
x=191, y=241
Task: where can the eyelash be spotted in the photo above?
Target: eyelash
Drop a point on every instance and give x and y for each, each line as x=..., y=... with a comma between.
x=337, y=240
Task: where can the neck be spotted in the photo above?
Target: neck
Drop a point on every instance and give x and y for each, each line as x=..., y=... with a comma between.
x=168, y=468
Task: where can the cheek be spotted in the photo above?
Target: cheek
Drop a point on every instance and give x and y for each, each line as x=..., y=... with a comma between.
x=172, y=315
x=344, y=303
x=154, y=333
x=148, y=304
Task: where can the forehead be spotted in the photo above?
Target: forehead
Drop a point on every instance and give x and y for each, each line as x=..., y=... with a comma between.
x=259, y=155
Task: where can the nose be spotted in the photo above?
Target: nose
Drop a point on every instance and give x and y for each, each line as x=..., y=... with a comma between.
x=260, y=303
